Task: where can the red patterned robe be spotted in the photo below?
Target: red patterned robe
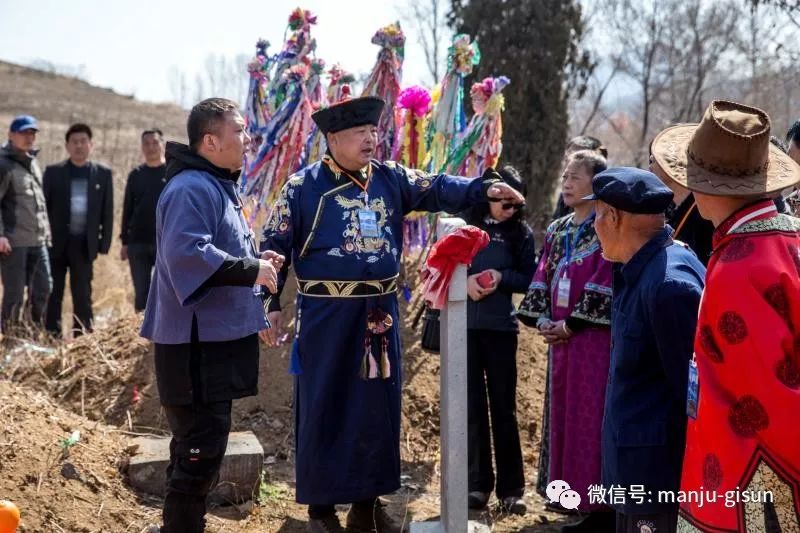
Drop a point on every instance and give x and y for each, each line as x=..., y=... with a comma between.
x=746, y=436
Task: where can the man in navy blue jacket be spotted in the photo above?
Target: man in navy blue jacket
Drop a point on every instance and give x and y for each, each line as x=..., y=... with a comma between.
x=657, y=288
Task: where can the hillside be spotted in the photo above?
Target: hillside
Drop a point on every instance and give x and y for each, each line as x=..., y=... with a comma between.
x=117, y=122
x=58, y=101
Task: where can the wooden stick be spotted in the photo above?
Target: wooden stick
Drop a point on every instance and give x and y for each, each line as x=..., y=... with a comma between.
x=154, y=429
x=138, y=433
x=63, y=393
x=111, y=366
x=65, y=371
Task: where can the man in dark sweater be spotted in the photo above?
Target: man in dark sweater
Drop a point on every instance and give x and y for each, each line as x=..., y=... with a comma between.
x=138, y=234
x=793, y=142
x=80, y=206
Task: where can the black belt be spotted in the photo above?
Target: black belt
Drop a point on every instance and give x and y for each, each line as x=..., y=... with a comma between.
x=347, y=289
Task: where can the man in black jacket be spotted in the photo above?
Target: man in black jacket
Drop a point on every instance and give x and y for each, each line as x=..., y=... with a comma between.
x=793, y=149
x=793, y=142
x=138, y=234
x=79, y=196
x=684, y=218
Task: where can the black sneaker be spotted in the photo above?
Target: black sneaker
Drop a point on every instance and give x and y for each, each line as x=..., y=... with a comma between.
x=329, y=524
x=375, y=519
x=594, y=522
x=477, y=500
x=555, y=507
x=513, y=505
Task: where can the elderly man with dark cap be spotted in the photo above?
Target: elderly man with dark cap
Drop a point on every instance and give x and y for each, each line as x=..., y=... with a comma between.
x=339, y=221
x=743, y=440
x=24, y=225
x=657, y=287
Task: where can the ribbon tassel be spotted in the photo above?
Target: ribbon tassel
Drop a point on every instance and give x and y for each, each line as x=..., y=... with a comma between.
x=364, y=372
x=373, y=367
x=378, y=324
x=295, y=368
x=386, y=367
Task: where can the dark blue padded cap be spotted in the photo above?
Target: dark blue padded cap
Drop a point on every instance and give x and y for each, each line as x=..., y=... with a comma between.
x=631, y=189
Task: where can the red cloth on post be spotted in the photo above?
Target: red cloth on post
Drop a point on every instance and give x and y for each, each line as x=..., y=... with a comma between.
x=459, y=247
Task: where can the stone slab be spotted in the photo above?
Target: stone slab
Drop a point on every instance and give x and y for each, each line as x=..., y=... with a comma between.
x=437, y=527
x=240, y=473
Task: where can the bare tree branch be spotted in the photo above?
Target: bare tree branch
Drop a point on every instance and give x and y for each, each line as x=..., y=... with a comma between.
x=600, y=95
x=676, y=53
x=427, y=18
x=616, y=129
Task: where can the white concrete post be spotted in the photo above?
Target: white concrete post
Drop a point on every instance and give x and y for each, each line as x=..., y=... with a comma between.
x=453, y=411
x=453, y=392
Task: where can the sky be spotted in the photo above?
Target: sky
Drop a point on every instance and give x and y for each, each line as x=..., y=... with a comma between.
x=130, y=45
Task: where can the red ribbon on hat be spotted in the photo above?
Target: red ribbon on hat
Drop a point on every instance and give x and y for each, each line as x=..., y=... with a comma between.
x=459, y=247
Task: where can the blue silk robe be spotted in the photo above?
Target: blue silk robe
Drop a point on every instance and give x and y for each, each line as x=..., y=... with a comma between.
x=347, y=428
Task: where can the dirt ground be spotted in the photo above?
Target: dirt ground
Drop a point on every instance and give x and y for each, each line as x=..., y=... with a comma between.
x=103, y=385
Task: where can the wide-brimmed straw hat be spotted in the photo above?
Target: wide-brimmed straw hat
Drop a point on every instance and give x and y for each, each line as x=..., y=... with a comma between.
x=727, y=154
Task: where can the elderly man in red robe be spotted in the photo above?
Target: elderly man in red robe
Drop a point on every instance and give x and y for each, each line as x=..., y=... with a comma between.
x=741, y=469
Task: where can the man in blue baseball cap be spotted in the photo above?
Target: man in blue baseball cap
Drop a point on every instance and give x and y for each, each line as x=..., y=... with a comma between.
x=657, y=288
x=24, y=226
x=24, y=123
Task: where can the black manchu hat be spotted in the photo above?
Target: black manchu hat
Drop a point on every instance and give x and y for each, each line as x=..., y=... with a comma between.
x=349, y=114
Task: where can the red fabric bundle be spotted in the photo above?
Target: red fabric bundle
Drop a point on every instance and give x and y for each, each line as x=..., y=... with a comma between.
x=459, y=247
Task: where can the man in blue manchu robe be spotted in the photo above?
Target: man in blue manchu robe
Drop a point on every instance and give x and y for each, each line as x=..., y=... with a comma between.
x=339, y=221
x=204, y=311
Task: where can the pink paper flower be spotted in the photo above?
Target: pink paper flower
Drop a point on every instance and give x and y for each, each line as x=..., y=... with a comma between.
x=416, y=99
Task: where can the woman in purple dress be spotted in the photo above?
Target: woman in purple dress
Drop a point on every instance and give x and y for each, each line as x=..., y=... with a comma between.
x=569, y=302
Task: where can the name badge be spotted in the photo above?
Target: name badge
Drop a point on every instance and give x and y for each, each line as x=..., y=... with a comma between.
x=693, y=391
x=368, y=222
x=562, y=292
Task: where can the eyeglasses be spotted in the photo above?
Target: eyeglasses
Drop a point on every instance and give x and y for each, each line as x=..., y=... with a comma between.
x=507, y=206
